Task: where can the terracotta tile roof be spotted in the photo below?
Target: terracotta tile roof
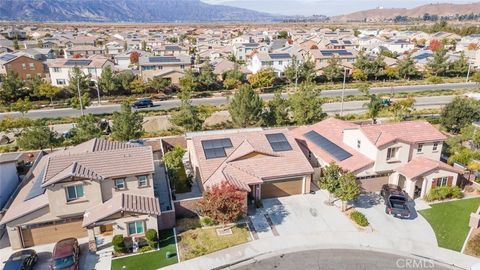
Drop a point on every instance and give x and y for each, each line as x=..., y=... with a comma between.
x=75, y=169
x=122, y=202
x=250, y=160
x=332, y=129
x=420, y=166
x=408, y=132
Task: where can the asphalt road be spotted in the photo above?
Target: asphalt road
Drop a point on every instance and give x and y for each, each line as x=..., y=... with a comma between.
x=348, y=106
x=340, y=259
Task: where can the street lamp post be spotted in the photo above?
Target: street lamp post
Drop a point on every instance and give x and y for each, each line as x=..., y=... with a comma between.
x=296, y=74
x=80, y=96
x=468, y=72
x=343, y=89
x=98, y=90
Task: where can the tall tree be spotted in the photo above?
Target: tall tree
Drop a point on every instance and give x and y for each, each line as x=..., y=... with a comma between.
x=277, y=111
x=333, y=71
x=402, y=108
x=300, y=71
x=11, y=88
x=49, y=91
x=158, y=83
x=36, y=137
x=107, y=82
x=459, y=113
x=374, y=107
x=460, y=66
x=329, y=179
x=438, y=65
x=246, y=107
x=78, y=79
x=21, y=105
x=87, y=127
x=306, y=105
x=348, y=188
x=189, y=81
x=406, y=67
x=207, y=78
x=137, y=86
x=134, y=57
x=127, y=124
x=223, y=203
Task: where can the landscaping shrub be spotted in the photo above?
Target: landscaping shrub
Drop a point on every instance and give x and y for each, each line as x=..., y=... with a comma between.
x=473, y=245
x=435, y=80
x=152, y=237
x=359, y=218
x=118, y=244
x=443, y=193
x=145, y=249
x=206, y=221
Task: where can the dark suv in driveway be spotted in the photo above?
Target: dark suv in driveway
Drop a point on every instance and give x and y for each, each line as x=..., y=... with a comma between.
x=142, y=103
x=22, y=260
x=66, y=254
x=395, y=201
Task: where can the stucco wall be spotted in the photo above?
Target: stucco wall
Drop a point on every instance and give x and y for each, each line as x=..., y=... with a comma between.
x=131, y=187
x=166, y=220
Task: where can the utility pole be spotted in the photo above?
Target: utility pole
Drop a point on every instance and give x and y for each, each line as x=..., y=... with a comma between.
x=468, y=72
x=296, y=73
x=343, y=89
x=80, y=95
x=98, y=90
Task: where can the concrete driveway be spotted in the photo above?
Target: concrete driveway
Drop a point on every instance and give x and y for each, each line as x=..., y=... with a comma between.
x=299, y=215
x=416, y=228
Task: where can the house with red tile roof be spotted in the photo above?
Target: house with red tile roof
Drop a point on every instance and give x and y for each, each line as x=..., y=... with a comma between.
x=90, y=189
x=405, y=153
x=264, y=163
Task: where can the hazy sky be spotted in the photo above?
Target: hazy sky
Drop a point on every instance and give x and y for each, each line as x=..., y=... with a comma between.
x=324, y=7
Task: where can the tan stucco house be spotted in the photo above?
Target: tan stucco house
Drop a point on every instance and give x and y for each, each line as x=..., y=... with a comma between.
x=96, y=187
x=405, y=153
x=264, y=163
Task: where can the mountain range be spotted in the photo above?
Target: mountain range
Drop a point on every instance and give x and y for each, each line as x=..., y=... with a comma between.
x=126, y=11
x=380, y=14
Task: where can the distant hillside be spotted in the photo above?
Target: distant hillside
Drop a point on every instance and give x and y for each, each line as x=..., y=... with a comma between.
x=380, y=14
x=125, y=11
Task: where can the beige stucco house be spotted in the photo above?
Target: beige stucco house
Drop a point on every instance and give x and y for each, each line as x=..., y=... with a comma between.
x=96, y=187
x=405, y=153
x=169, y=67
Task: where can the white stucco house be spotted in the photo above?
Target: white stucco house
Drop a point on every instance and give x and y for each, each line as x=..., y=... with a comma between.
x=406, y=153
x=277, y=61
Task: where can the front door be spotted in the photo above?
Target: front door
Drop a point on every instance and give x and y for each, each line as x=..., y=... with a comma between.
x=106, y=229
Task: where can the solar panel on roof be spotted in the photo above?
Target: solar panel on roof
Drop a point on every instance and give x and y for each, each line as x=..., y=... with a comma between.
x=279, y=55
x=216, y=148
x=163, y=59
x=78, y=62
x=278, y=142
x=333, y=41
x=348, y=42
x=334, y=150
x=37, y=188
x=8, y=57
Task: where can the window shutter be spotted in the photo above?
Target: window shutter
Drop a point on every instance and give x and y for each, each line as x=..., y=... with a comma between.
x=434, y=183
x=450, y=181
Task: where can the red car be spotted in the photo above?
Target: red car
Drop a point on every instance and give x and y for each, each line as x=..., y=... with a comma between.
x=66, y=254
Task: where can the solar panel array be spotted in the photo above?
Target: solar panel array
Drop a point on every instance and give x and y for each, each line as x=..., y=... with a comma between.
x=278, y=142
x=172, y=48
x=78, y=62
x=7, y=57
x=216, y=148
x=348, y=42
x=334, y=41
x=37, y=188
x=163, y=59
x=332, y=52
x=334, y=150
x=279, y=55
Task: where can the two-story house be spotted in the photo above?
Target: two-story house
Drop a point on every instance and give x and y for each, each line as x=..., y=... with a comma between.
x=83, y=51
x=405, y=153
x=277, y=61
x=25, y=67
x=242, y=51
x=169, y=67
x=170, y=50
x=61, y=68
x=95, y=187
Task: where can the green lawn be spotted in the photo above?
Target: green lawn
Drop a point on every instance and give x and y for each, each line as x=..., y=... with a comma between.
x=450, y=221
x=197, y=242
x=150, y=260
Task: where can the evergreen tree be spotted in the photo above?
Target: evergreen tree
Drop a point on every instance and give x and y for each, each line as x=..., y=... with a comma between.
x=107, y=82
x=438, y=65
x=36, y=137
x=333, y=71
x=277, y=111
x=246, y=107
x=406, y=67
x=127, y=124
x=86, y=128
x=306, y=105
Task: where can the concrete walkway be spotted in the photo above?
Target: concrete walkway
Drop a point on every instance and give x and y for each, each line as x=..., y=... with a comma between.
x=325, y=240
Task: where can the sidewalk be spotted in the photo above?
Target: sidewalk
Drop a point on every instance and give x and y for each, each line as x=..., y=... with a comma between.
x=349, y=240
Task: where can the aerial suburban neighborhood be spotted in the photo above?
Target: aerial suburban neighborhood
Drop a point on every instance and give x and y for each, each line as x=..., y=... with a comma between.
x=197, y=135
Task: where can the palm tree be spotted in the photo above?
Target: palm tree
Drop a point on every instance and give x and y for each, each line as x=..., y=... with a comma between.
x=374, y=106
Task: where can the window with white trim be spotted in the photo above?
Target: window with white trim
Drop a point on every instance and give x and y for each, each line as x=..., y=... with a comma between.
x=442, y=181
x=142, y=180
x=420, y=148
x=136, y=227
x=435, y=146
x=119, y=183
x=74, y=192
x=392, y=153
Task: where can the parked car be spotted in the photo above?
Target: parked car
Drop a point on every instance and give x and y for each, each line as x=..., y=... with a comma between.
x=66, y=254
x=22, y=260
x=395, y=201
x=143, y=103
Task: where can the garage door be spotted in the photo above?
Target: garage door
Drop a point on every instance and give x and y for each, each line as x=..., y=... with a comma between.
x=52, y=233
x=281, y=188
